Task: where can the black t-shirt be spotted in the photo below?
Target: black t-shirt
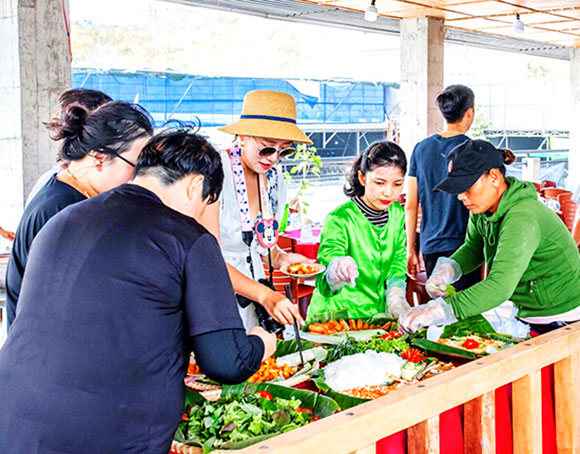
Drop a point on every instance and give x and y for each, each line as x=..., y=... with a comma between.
x=113, y=288
x=444, y=218
x=52, y=198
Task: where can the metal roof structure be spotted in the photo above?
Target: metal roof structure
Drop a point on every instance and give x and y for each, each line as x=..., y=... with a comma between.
x=337, y=13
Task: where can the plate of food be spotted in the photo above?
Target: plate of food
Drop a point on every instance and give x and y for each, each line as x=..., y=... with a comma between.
x=303, y=270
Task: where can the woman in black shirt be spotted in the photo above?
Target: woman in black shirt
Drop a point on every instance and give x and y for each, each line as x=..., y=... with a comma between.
x=101, y=149
x=105, y=328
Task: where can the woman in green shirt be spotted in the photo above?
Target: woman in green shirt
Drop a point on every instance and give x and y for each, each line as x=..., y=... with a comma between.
x=363, y=241
x=532, y=258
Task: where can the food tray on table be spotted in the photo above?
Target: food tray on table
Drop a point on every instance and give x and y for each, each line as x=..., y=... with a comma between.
x=332, y=328
x=282, y=369
x=242, y=415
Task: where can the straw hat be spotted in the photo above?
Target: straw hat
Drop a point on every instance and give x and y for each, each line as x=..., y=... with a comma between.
x=270, y=114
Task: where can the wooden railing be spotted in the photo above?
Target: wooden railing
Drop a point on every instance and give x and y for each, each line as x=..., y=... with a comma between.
x=417, y=407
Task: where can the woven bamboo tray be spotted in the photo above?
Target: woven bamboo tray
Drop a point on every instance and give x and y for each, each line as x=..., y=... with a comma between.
x=289, y=383
x=184, y=449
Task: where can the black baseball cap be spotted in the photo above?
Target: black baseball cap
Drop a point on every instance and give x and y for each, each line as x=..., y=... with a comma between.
x=466, y=163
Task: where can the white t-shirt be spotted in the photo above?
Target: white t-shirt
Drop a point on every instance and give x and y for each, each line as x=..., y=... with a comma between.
x=234, y=250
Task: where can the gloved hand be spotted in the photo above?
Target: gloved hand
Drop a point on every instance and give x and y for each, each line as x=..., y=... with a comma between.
x=447, y=271
x=435, y=312
x=396, y=295
x=340, y=272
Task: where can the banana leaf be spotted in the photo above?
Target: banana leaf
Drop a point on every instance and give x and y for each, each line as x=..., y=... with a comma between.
x=192, y=398
x=343, y=400
x=321, y=406
x=435, y=347
x=378, y=319
x=468, y=326
x=245, y=443
x=324, y=317
x=284, y=348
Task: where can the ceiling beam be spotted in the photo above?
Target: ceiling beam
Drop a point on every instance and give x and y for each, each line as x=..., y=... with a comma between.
x=321, y=14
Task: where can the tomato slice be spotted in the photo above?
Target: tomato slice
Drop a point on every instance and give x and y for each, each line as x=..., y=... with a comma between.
x=303, y=410
x=264, y=395
x=471, y=344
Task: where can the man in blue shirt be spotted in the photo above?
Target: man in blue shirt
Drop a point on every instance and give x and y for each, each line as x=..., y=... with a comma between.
x=444, y=218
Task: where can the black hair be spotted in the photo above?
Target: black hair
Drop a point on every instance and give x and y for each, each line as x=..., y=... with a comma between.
x=508, y=158
x=378, y=154
x=176, y=153
x=454, y=101
x=83, y=98
x=109, y=130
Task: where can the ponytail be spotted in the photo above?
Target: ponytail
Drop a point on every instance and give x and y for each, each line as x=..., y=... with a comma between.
x=508, y=156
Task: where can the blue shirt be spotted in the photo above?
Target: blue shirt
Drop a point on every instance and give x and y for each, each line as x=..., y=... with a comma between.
x=444, y=218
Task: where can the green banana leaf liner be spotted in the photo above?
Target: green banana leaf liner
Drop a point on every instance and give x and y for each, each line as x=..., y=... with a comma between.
x=379, y=319
x=284, y=347
x=343, y=400
x=440, y=349
x=320, y=405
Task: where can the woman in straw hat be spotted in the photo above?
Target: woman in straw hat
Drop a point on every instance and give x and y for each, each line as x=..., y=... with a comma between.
x=252, y=202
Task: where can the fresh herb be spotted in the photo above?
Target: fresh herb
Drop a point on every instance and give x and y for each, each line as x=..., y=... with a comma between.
x=389, y=343
x=349, y=346
x=238, y=418
x=378, y=344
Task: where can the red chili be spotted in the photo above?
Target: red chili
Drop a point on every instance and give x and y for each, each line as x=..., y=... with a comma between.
x=392, y=335
x=264, y=395
x=413, y=355
x=184, y=417
x=471, y=344
x=303, y=410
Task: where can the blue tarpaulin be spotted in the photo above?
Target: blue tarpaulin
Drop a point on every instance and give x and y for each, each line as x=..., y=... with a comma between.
x=216, y=101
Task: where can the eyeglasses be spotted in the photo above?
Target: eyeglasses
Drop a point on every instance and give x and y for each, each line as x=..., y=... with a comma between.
x=126, y=160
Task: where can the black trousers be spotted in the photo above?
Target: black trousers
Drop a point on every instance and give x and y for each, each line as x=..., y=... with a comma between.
x=466, y=280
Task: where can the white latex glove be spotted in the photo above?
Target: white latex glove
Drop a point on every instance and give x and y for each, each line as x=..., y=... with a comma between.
x=340, y=272
x=396, y=295
x=435, y=312
x=447, y=271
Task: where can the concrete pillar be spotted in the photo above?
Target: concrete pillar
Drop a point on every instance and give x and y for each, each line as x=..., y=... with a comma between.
x=421, y=79
x=574, y=155
x=531, y=170
x=36, y=68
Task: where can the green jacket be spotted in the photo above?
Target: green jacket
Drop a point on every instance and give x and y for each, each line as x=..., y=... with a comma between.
x=380, y=254
x=532, y=258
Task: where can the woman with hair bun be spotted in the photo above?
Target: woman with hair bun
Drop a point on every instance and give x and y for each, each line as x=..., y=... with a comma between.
x=363, y=241
x=101, y=148
x=532, y=258
x=84, y=98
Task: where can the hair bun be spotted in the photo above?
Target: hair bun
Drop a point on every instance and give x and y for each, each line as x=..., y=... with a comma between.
x=72, y=122
x=508, y=156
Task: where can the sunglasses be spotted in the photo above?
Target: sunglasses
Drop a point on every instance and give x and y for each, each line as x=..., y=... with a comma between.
x=269, y=151
x=126, y=160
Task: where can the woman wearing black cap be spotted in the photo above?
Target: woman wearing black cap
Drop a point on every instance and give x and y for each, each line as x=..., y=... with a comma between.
x=532, y=257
